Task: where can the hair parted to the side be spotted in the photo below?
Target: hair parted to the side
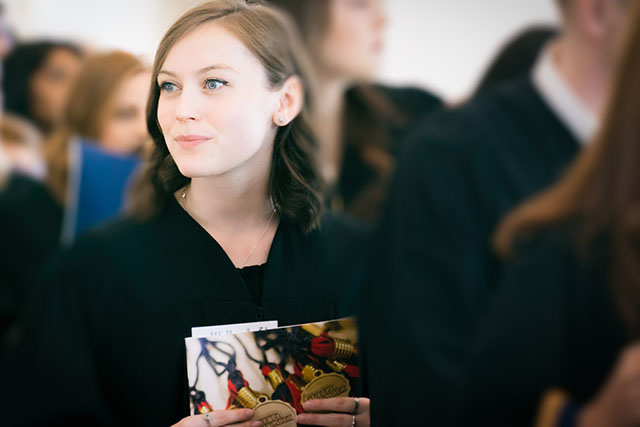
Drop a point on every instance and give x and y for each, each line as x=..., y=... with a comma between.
x=601, y=190
x=295, y=185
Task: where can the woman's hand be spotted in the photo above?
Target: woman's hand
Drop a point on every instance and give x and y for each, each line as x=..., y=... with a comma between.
x=336, y=412
x=617, y=404
x=235, y=417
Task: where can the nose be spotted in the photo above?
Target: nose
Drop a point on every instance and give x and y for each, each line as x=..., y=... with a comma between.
x=188, y=108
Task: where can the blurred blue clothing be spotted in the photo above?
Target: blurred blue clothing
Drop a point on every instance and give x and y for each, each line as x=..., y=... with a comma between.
x=97, y=183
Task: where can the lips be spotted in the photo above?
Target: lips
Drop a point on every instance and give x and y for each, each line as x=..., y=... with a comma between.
x=189, y=141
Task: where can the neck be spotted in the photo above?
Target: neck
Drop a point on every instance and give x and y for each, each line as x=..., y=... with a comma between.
x=237, y=200
x=583, y=70
x=212, y=204
x=328, y=111
x=329, y=100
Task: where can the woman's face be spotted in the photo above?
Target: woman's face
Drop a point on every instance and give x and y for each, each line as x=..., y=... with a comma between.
x=352, y=43
x=50, y=85
x=125, y=126
x=215, y=108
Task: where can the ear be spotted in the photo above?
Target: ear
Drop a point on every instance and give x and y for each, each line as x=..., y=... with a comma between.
x=290, y=102
x=595, y=17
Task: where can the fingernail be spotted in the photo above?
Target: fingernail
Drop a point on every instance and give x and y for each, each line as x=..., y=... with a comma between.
x=247, y=412
x=308, y=405
x=301, y=418
x=256, y=424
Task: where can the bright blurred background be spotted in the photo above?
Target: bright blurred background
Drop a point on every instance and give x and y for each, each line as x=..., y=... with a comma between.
x=443, y=45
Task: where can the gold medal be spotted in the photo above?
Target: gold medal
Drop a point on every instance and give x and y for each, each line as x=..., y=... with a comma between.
x=275, y=413
x=323, y=386
x=249, y=398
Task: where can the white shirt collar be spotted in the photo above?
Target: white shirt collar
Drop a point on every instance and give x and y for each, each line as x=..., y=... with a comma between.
x=580, y=120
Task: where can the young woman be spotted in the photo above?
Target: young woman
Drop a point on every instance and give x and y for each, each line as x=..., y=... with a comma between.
x=106, y=112
x=560, y=344
x=359, y=125
x=93, y=153
x=230, y=231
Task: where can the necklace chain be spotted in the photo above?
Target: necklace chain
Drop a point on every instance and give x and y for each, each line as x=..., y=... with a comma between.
x=183, y=196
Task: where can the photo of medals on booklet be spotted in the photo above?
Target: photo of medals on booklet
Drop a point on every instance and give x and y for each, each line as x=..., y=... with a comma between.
x=271, y=370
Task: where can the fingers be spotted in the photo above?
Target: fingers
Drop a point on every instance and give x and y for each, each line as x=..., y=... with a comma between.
x=337, y=404
x=328, y=420
x=334, y=404
x=246, y=424
x=233, y=417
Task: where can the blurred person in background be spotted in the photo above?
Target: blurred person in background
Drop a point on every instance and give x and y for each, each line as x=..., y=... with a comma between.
x=90, y=158
x=462, y=171
x=358, y=124
x=93, y=153
x=560, y=343
x=37, y=79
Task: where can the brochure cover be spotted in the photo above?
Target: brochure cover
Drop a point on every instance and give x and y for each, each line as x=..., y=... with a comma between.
x=273, y=371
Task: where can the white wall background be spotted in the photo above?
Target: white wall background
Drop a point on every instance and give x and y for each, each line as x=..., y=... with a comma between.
x=443, y=45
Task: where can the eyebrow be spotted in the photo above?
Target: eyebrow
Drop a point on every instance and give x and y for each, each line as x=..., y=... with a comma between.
x=202, y=70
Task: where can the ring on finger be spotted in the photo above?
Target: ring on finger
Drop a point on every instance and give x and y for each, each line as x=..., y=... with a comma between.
x=356, y=406
x=353, y=421
x=207, y=418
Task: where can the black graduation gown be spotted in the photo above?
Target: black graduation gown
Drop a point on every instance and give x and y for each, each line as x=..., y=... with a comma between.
x=102, y=343
x=30, y=223
x=462, y=170
x=361, y=190
x=553, y=325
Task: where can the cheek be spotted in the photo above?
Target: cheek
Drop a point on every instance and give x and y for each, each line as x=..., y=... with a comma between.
x=38, y=88
x=118, y=135
x=348, y=47
x=240, y=125
x=111, y=134
x=165, y=115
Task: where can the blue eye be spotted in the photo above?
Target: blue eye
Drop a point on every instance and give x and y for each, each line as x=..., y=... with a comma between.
x=213, y=84
x=168, y=87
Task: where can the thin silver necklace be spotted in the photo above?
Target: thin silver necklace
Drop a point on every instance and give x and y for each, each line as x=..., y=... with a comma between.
x=183, y=197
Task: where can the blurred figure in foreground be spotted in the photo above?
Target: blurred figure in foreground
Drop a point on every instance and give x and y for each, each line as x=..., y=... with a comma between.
x=358, y=124
x=566, y=320
x=462, y=171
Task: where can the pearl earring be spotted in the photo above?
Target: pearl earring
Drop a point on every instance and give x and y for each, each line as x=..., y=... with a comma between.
x=281, y=120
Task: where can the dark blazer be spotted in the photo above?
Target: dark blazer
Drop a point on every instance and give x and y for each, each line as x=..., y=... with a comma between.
x=554, y=324
x=362, y=188
x=462, y=170
x=103, y=341
x=30, y=222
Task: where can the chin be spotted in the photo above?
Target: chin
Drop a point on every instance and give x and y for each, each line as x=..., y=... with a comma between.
x=194, y=170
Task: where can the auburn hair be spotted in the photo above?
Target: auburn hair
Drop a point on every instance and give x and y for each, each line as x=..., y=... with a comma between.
x=601, y=190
